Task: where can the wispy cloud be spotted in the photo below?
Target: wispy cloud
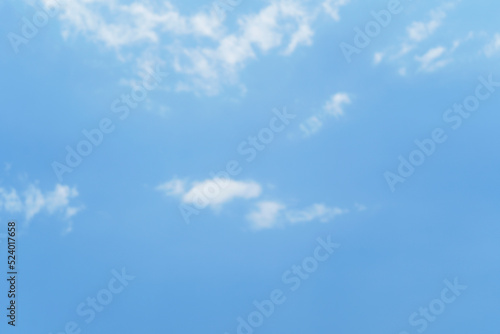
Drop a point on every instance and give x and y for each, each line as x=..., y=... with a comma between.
x=33, y=201
x=432, y=59
x=377, y=57
x=165, y=33
x=408, y=53
x=270, y=214
x=334, y=106
x=265, y=215
x=493, y=47
x=174, y=187
x=262, y=214
x=279, y=24
x=131, y=24
x=315, y=212
x=332, y=7
x=421, y=30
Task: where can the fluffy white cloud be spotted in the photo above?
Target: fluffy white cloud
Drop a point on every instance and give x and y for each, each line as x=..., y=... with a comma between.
x=332, y=7
x=58, y=200
x=215, y=193
x=211, y=192
x=33, y=201
x=265, y=214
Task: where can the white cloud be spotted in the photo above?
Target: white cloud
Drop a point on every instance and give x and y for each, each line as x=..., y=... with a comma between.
x=406, y=55
x=10, y=201
x=216, y=57
x=332, y=7
x=492, y=47
x=460, y=41
x=303, y=36
x=405, y=49
x=434, y=58
x=209, y=67
x=211, y=192
x=173, y=187
x=270, y=214
x=32, y=201
x=224, y=193
x=377, y=57
x=130, y=24
x=420, y=30
x=58, y=200
x=314, y=212
x=431, y=61
x=431, y=55
x=265, y=215
x=334, y=106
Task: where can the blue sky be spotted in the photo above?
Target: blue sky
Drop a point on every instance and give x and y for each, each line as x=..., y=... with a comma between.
x=248, y=134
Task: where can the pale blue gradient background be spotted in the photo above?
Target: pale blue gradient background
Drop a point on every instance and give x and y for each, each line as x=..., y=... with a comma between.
x=440, y=224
